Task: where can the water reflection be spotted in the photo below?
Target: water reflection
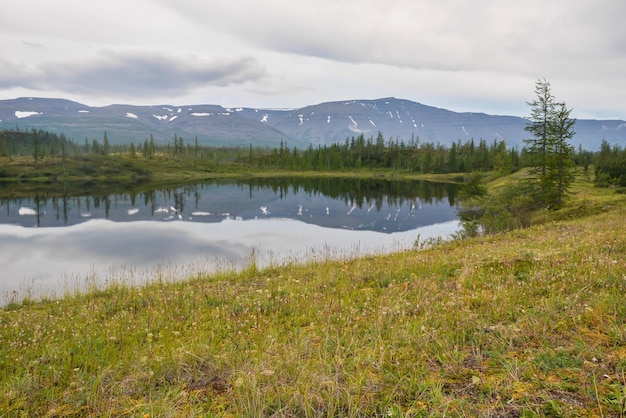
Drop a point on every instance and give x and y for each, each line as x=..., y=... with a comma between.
x=51, y=261
x=377, y=205
x=179, y=232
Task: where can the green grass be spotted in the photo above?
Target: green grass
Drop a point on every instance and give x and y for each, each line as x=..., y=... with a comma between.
x=528, y=323
x=80, y=174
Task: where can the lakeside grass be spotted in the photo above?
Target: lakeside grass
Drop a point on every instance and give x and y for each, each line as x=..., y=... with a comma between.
x=527, y=323
x=78, y=174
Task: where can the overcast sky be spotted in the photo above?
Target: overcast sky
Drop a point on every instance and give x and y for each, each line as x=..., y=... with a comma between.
x=479, y=56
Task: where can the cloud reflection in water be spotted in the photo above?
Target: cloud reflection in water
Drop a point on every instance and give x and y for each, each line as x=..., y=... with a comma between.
x=40, y=261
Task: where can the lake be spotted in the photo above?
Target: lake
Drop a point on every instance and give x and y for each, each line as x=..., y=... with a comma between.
x=50, y=245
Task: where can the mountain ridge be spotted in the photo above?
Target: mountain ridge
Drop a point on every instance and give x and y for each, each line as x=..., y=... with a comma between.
x=317, y=124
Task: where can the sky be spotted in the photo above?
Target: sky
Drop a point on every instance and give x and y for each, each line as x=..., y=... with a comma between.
x=466, y=56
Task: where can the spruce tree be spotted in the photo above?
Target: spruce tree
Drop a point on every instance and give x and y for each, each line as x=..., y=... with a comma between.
x=560, y=164
x=551, y=157
x=105, y=144
x=542, y=111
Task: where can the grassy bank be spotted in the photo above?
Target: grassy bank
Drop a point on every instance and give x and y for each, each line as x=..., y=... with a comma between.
x=89, y=174
x=528, y=323
x=21, y=176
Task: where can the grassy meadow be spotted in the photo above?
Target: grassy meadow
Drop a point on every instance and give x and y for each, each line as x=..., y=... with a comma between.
x=526, y=323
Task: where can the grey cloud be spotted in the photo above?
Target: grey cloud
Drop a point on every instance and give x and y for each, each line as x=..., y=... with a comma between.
x=449, y=35
x=35, y=45
x=143, y=74
x=17, y=74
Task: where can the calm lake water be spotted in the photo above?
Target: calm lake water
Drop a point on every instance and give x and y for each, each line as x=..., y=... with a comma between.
x=51, y=245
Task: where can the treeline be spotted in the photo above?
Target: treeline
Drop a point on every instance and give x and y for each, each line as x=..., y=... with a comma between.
x=376, y=153
x=610, y=165
x=359, y=153
x=41, y=144
x=354, y=153
x=37, y=143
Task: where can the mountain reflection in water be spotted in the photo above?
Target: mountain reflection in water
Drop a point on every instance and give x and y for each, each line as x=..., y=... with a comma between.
x=376, y=205
x=178, y=233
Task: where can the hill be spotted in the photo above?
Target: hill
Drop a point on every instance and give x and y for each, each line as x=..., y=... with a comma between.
x=323, y=123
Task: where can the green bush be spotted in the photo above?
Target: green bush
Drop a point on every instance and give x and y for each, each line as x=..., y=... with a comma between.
x=510, y=207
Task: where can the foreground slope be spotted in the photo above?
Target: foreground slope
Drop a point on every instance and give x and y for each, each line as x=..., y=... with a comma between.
x=529, y=323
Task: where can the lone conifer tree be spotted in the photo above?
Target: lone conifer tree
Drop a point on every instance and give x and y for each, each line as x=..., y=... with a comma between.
x=560, y=173
x=551, y=155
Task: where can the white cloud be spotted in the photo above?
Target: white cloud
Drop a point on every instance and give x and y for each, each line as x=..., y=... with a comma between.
x=431, y=34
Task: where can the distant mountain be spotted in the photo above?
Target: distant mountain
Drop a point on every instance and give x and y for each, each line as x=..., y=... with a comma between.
x=212, y=124
x=323, y=123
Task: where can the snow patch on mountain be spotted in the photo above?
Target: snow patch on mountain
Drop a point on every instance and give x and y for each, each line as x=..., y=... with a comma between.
x=161, y=117
x=201, y=114
x=20, y=114
x=131, y=115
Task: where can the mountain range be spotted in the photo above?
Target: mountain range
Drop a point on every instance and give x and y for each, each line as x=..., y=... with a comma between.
x=324, y=123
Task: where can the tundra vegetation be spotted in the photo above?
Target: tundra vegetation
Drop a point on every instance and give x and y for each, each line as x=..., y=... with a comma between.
x=522, y=315
x=524, y=323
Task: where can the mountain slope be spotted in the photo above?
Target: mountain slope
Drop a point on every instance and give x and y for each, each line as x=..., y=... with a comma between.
x=323, y=123
x=211, y=124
